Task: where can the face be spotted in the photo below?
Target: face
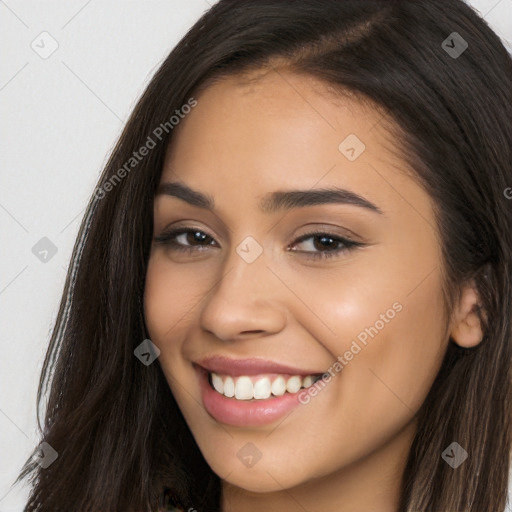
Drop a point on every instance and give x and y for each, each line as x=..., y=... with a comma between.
x=260, y=293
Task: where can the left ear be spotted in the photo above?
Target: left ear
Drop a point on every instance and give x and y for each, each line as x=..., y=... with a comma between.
x=467, y=328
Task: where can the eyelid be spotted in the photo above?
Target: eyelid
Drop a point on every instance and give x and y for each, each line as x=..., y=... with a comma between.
x=186, y=227
x=348, y=242
x=179, y=230
x=331, y=229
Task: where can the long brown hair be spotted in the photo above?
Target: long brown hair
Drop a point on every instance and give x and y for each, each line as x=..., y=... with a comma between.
x=120, y=436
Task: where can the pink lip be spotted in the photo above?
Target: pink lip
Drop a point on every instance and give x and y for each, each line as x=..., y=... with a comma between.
x=235, y=367
x=243, y=413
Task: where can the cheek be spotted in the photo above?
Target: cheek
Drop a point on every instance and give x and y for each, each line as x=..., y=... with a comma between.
x=172, y=295
x=392, y=345
x=169, y=296
x=385, y=322
x=159, y=299
x=389, y=301
x=406, y=355
x=166, y=303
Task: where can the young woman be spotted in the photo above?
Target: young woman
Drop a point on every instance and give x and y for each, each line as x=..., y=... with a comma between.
x=292, y=287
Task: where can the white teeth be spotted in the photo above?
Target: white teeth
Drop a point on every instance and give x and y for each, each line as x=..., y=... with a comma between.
x=293, y=384
x=279, y=387
x=259, y=387
x=229, y=387
x=218, y=383
x=308, y=381
x=243, y=388
x=262, y=388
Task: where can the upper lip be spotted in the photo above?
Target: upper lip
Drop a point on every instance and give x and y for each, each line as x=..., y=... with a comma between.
x=253, y=366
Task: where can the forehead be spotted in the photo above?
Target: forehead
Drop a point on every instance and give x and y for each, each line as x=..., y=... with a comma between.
x=280, y=95
x=275, y=118
x=276, y=130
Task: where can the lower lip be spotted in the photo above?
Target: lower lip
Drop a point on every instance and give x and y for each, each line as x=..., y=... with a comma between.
x=244, y=413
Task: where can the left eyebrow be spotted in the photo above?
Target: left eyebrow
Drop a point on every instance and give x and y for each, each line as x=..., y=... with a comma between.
x=274, y=201
x=289, y=199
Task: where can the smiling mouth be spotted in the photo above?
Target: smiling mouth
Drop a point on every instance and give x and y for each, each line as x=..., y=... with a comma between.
x=259, y=387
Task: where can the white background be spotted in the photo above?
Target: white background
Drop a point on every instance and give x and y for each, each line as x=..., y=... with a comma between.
x=60, y=118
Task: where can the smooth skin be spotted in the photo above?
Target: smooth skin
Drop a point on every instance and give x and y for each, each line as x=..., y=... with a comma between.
x=346, y=449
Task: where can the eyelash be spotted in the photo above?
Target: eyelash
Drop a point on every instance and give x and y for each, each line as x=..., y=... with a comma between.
x=168, y=238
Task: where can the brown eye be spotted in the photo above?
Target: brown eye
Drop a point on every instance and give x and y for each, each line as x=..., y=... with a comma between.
x=325, y=245
x=185, y=239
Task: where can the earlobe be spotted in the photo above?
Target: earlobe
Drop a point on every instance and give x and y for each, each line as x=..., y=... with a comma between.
x=467, y=328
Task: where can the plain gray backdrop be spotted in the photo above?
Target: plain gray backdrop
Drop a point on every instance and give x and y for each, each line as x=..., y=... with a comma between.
x=70, y=73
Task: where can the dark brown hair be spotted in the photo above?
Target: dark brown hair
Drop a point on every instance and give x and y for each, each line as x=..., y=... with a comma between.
x=119, y=434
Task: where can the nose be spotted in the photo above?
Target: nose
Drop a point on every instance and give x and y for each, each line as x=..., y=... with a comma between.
x=244, y=302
